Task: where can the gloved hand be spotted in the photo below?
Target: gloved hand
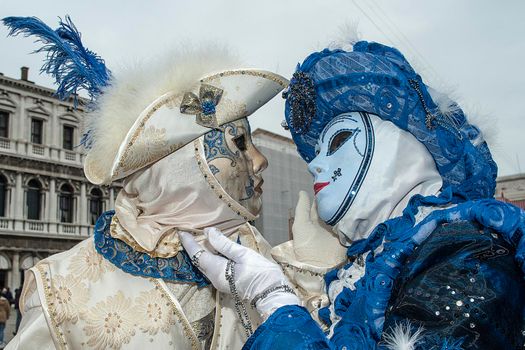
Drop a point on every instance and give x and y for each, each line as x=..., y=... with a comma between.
x=313, y=241
x=253, y=273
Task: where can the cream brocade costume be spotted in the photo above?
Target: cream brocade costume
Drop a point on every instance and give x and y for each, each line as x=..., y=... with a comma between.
x=79, y=300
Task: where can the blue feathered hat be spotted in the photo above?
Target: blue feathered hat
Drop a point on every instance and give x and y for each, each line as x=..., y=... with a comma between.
x=377, y=79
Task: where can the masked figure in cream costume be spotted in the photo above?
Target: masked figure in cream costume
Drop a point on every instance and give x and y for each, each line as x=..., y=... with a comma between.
x=176, y=134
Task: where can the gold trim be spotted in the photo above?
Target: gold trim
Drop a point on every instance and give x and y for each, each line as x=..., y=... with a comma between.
x=171, y=97
x=186, y=326
x=165, y=240
x=218, y=322
x=276, y=78
x=48, y=294
x=217, y=188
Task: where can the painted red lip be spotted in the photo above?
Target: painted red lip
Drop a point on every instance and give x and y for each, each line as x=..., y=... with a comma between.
x=319, y=186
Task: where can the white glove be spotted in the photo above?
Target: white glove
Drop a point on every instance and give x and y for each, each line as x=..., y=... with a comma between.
x=253, y=273
x=314, y=242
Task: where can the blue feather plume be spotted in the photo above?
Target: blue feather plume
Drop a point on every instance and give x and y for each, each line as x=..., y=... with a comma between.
x=73, y=66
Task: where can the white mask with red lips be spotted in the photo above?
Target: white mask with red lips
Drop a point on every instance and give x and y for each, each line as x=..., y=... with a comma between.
x=366, y=170
x=344, y=153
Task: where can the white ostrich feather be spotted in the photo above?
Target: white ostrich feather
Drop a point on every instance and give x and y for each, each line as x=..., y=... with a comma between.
x=348, y=34
x=134, y=88
x=402, y=338
x=447, y=106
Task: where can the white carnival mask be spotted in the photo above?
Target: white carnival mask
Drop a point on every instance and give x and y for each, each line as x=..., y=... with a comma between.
x=344, y=152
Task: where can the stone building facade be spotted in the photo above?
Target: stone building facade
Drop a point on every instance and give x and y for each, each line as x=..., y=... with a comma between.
x=46, y=203
x=511, y=189
x=285, y=176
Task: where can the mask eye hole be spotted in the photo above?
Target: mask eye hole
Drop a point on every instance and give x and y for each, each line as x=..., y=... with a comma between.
x=240, y=142
x=339, y=139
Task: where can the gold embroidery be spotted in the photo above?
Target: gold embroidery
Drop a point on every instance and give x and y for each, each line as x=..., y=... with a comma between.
x=150, y=145
x=87, y=262
x=188, y=331
x=266, y=75
x=217, y=188
x=153, y=312
x=169, y=100
x=110, y=323
x=48, y=294
x=167, y=247
x=174, y=100
x=69, y=298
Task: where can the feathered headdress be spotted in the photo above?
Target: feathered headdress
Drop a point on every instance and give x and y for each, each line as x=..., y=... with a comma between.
x=154, y=111
x=73, y=66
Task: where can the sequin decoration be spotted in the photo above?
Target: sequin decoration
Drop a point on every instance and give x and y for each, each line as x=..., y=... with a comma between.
x=301, y=95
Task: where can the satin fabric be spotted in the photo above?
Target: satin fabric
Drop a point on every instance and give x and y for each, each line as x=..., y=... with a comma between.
x=178, y=192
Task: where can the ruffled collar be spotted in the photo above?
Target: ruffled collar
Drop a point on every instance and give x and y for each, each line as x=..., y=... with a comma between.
x=174, y=269
x=361, y=311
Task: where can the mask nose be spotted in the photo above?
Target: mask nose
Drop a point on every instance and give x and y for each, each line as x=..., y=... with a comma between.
x=259, y=161
x=316, y=167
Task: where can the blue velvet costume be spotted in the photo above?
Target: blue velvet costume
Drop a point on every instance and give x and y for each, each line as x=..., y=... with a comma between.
x=459, y=272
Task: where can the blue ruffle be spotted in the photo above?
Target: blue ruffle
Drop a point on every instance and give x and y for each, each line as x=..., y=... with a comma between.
x=175, y=269
x=363, y=310
x=291, y=328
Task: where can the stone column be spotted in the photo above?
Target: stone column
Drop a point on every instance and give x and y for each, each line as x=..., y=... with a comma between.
x=18, y=203
x=82, y=206
x=22, y=121
x=11, y=199
x=15, y=272
x=52, y=218
x=19, y=197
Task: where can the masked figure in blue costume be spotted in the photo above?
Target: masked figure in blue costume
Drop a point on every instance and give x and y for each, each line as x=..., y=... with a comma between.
x=406, y=182
x=174, y=134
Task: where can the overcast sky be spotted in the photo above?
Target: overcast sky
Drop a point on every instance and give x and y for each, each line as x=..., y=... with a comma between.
x=475, y=47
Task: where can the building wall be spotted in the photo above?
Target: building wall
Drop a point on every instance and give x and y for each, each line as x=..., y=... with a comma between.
x=23, y=241
x=285, y=176
x=511, y=189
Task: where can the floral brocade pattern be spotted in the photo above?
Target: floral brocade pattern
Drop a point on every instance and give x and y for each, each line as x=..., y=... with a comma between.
x=150, y=145
x=71, y=296
x=154, y=312
x=110, y=324
x=87, y=262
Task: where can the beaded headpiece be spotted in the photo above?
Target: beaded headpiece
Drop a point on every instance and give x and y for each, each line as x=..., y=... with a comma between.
x=377, y=79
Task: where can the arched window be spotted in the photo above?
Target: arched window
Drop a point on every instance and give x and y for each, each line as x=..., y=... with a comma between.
x=34, y=189
x=3, y=195
x=95, y=205
x=28, y=262
x=66, y=203
x=5, y=267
